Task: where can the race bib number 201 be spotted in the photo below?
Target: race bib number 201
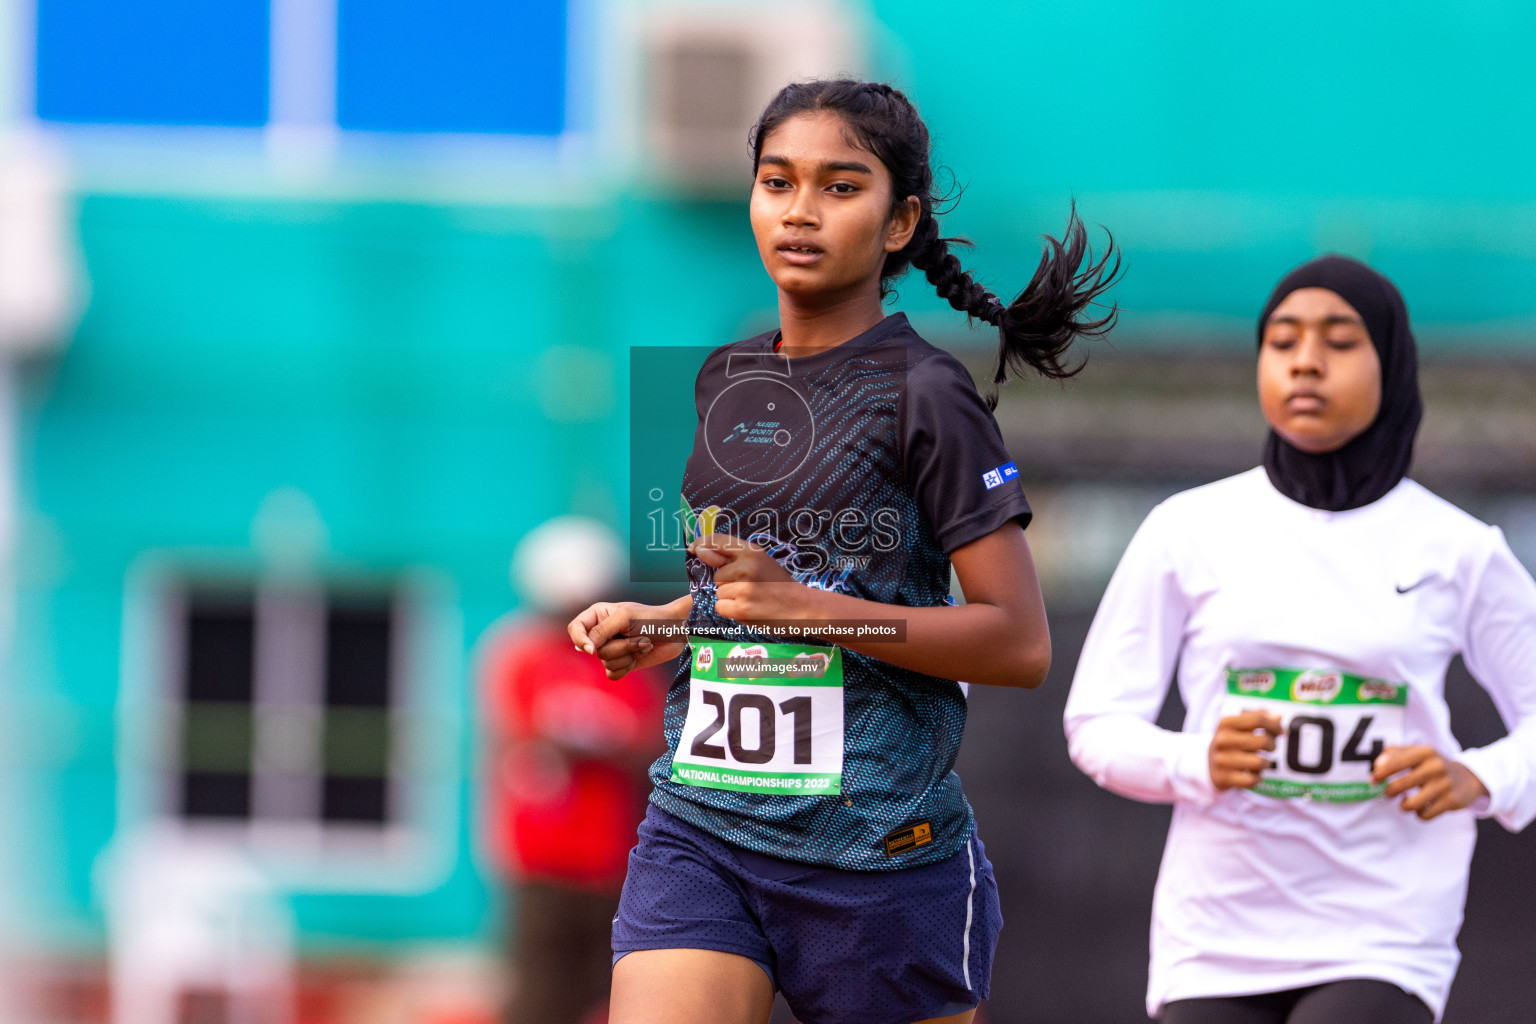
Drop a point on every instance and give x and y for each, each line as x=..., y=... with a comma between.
x=1335, y=726
x=763, y=718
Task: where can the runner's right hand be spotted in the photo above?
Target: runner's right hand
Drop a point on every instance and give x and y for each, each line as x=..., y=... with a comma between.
x=1234, y=757
x=601, y=629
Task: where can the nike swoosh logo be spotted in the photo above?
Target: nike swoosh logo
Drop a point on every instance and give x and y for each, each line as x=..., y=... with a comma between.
x=1403, y=590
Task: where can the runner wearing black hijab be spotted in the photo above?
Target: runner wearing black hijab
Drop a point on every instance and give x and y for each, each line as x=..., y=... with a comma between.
x=1316, y=865
x=1371, y=464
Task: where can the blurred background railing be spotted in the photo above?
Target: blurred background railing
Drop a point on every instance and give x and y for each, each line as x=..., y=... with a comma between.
x=310, y=310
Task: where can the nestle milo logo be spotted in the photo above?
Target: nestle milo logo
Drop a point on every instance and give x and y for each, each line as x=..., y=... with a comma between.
x=1317, y=687
x=744, y=651
x=1375, y=689
x=823, y=661
x=1255, y=682
x=705, y=659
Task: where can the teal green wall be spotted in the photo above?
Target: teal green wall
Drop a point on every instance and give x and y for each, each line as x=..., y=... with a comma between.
x=1223, y=143
x=391, y=361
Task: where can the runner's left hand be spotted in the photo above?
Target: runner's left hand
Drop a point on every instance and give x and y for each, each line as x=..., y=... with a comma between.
x=1440, y=785
x=751, y=585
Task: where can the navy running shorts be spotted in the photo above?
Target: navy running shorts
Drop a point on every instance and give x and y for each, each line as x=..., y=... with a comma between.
x=844, y=947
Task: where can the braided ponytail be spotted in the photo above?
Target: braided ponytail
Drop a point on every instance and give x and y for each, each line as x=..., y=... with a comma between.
x=1036, y=329
x=954, y=284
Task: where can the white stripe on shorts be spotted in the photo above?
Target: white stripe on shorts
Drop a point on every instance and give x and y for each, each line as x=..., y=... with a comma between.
x=970, y=898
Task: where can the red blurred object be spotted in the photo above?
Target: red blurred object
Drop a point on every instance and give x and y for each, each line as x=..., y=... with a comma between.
x=568, y=786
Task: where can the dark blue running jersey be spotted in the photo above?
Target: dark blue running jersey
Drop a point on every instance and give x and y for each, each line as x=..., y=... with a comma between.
x=859, y=468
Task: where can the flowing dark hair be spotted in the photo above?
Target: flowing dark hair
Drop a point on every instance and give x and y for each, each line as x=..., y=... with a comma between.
x=1037, y=328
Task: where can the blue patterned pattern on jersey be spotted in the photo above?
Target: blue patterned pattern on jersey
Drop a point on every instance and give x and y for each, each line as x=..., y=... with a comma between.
x=848, y=466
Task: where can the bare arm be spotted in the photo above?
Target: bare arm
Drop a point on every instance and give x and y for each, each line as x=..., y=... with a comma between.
x=998, y=638
x=602, y=630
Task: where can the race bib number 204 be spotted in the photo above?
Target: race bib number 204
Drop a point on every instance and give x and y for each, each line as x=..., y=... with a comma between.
x=1335, y=726
x=763, y=718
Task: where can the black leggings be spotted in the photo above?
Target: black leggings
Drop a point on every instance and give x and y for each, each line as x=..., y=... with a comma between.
x=1356, y=1001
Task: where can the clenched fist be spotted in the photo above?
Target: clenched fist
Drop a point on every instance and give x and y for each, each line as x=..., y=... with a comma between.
x=1235, y=758
x=1440, y=785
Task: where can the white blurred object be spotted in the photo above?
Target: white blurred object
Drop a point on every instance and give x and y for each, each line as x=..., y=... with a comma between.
x=42, y=285
x=42, y=288
x=568, y=562
x=190, y=918
x=301, y=123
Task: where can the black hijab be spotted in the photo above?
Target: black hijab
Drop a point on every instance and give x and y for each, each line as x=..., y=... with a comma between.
x=1371, y=464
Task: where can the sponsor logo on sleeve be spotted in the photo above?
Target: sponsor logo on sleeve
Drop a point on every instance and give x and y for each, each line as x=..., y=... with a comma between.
x=1001, y=475
x=1317, y=687
x=908, y=838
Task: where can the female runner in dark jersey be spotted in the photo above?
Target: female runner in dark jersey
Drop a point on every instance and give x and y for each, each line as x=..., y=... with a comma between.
x=808, y=831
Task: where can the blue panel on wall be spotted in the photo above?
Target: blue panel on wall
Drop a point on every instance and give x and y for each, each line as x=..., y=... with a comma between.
x=489, y=66
x=152, y=61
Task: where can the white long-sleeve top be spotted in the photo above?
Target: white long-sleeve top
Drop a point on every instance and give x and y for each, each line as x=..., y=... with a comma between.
x=1259, y=893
